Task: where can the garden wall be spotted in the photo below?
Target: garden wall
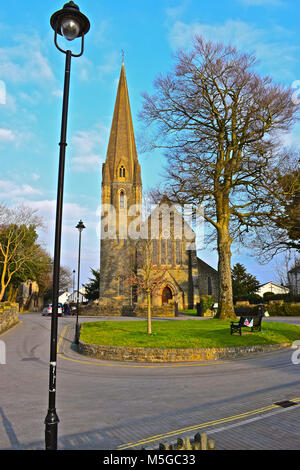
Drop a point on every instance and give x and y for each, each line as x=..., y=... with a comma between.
x=9, y=316
x=116, y=309
x=116, y=353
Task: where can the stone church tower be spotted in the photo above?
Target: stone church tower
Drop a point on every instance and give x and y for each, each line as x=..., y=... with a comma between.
x=121, y=188
x=186, y=277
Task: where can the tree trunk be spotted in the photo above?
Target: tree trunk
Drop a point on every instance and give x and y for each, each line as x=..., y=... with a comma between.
x=149, y=330
x=12, y=293
x=226, y=309
x=2, y=292
x=3, y=283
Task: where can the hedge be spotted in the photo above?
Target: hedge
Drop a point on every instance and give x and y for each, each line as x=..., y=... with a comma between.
x=285, y=310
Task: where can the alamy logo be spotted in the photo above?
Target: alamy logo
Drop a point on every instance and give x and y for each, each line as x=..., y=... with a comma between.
x=2, y=92
x=296, y=354
x=2, y=353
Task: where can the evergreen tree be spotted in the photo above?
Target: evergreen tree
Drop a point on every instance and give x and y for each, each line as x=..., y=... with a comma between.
x=243, y=284
x=92, y=288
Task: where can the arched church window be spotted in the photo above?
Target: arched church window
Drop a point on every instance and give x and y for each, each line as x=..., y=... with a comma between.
x=209, y=286
x=163, y=252
x=169, y=251
x=178, y=252
x=155, y=251
x=121, y=286
x=122, y=200
x=122, y=172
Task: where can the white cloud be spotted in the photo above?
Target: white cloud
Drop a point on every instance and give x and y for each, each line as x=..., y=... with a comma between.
x=270, y=47
x=7, y=135
x=16, y=137
x=35, y=176
x=176, y=11
x=89, y=147
x=71, y=211
x=10, y=190
x=25, y=62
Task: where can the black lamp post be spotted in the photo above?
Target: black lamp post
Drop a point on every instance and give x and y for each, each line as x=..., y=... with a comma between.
x=70, y=23
x=80, y=227
x=74, y=272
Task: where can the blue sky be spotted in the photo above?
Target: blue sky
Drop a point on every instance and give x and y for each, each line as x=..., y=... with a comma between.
x=150, y=32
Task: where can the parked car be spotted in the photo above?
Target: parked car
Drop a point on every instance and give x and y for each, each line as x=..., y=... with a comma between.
x=48, y=310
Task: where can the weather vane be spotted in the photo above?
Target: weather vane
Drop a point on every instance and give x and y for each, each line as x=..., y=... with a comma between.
x=123, y=55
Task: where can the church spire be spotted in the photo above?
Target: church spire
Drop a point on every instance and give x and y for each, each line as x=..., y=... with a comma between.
x=121, y=153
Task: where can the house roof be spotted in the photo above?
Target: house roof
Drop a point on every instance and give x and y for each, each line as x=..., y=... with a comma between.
x=274, y=284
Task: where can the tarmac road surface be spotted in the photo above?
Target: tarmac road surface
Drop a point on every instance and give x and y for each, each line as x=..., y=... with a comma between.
x=111, y=405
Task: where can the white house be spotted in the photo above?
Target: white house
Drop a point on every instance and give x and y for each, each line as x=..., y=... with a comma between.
x=82, y=298
x=64, y=297
x=294, y=280
x=272, y=287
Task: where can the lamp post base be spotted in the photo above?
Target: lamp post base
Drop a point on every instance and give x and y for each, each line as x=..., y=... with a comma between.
x=51, y=427
x=77, y=333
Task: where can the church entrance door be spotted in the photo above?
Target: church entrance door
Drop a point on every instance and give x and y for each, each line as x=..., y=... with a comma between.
x=166, y=295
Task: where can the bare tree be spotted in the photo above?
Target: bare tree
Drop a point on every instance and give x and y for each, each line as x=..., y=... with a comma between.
x=18, y=247
x=148, y=277
x=220, y=123
x=289, y=261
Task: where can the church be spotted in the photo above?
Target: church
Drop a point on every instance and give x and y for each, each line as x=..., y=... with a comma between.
x=185, y=277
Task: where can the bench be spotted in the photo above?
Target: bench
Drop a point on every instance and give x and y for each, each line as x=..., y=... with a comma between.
x=236, y=327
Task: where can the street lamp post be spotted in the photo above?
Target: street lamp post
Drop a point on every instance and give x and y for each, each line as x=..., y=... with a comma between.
x=74, y=272
x=71, y=24
x=80, y=227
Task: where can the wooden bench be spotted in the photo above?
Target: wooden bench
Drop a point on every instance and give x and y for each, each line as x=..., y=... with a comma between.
x=236, y=327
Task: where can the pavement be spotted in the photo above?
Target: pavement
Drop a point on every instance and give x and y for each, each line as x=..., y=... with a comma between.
x=111, y=405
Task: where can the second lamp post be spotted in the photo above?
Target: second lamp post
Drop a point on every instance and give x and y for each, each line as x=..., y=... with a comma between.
x=80, y=227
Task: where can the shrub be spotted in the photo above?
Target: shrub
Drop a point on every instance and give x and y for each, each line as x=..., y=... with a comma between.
x=206, y=303
x=252, y=298
x=286, y=297
x=286, y=310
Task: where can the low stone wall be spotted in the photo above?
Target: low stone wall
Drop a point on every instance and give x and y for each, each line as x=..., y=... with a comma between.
x=9, y=316
x=141, y=311
x=116, y=309
x=115, y=353
x=101, y=310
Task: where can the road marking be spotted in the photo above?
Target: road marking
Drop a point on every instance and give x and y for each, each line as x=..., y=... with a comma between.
x=203, y=425
x=156, y=366
x=12, y=328
x=61, y=338
x=135, y=366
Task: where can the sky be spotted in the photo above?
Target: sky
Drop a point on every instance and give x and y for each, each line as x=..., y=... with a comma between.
x=150, y=32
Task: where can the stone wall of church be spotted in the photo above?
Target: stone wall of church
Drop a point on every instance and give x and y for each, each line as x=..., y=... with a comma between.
x=141, y=310
x=208, y=279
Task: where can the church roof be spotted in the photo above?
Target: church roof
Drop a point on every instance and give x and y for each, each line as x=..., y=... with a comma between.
x=205, y=266
x=122, y=147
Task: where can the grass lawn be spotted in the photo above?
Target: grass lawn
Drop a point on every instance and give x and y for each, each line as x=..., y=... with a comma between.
x=184, y=334
x=189, y=312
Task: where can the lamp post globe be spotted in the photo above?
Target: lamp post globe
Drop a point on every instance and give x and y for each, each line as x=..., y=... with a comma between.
x=70, y=23
x=70, y=29
x=80, y=227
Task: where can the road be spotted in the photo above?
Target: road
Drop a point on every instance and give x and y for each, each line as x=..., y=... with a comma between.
x=110, y=405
